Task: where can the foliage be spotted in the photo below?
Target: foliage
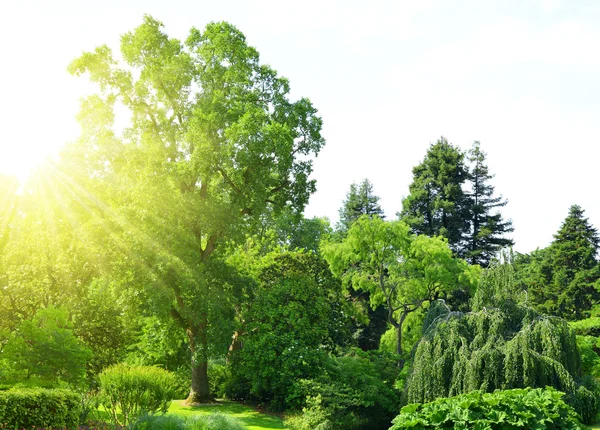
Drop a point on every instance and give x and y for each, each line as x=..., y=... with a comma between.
x=128, y=392
x=564, y=278
x=501, y=345
x=485, y=238
x=587, y=327
x=360, y=200
x=295, y=319
x=589, y=348
x=437, y=204
x=398, y=269
x=369, y=323
x=516, y=409
x=212, y=146
x=46, y=348
x=213, y=421
x=36, y=408
x=354, y=391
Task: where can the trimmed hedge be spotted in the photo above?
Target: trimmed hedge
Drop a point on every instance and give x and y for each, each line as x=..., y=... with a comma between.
x=510, y=409
x=39, y=408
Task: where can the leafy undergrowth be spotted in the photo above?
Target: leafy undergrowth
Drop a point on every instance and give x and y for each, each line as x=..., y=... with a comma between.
x=250, y=418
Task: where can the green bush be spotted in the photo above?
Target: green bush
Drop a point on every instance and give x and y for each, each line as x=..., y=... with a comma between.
x=36, y=408
x=355, y=391
x=128, y=392
x=197, y=422
x=515, y=409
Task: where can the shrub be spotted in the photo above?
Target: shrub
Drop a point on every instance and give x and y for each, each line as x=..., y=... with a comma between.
x=33, y=408
x=516, y=409
x=128, y=392
x=354, y=392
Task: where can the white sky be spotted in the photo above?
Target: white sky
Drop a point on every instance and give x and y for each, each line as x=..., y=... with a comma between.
x=388, y=79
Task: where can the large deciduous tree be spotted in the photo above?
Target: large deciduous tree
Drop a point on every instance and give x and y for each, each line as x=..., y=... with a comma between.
x=486, y=236
x=213, y=144
x=400, y=270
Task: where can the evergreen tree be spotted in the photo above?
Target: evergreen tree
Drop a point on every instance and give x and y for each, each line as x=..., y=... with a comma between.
x=564, y=278
x=437, y=204
x=487, y=229
x=575, y=244
x=360, y=200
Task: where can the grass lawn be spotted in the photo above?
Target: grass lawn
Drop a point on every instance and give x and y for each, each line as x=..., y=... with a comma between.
x=249, y=417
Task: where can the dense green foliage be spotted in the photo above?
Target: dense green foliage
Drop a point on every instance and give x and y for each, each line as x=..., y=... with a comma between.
x=501, y=345
x=213, y=133
x=128, y=392
x=46, y=348
x=353, y=391
x=510, y=409
x=564, y=278
x=370, y=322
x=39, y=408
x=296, y=318
x=399, y=270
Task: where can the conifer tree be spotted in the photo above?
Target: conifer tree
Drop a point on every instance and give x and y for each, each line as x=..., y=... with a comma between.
x=437, y=204
x=360, y=200
x=486, y=236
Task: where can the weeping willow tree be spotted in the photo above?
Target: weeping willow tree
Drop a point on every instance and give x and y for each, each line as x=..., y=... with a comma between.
x=502, y=344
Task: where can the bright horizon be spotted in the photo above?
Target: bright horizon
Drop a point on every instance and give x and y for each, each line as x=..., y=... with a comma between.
x=387, y=79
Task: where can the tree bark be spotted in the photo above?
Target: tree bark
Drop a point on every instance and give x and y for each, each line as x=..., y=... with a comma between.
x=199, y=391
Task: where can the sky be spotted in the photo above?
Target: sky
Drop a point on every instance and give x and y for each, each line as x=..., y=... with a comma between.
x=388, y=78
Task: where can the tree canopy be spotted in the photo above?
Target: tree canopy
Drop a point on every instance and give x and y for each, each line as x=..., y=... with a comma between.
x=213, y=144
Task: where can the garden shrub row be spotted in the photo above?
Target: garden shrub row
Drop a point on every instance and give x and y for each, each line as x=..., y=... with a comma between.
x=39, y=408
x=510, y=409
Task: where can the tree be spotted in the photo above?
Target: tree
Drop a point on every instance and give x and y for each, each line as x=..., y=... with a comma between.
x=371, y=323
x=487, y=229
x=564, y=278
x=437, y=204
x=503, y=344
x=213, y=144
x=46, y=347
x=360, y=200
x=296, y=318
x=398, y=269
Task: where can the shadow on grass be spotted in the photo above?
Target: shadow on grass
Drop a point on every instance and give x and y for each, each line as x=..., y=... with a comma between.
x=249, y=417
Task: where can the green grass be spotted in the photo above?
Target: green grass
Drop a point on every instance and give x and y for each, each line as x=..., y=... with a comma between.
x=252, y=419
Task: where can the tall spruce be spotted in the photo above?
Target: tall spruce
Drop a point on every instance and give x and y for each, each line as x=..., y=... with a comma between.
x=486, y=236
x=437, y=204
x=362, y=200
x=564, y=278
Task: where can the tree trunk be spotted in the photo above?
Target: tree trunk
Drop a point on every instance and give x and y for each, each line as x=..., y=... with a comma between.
x=199, y=393
x=399, y=350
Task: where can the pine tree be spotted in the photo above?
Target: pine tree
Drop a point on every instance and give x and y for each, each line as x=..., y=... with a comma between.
x=360, y=200
x=486, y=237
x=437, y=204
